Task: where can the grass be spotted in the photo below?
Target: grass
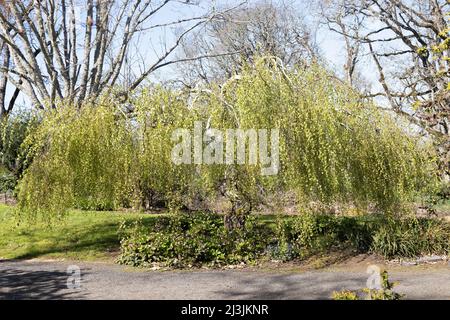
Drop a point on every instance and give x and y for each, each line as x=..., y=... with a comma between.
x=84, y=235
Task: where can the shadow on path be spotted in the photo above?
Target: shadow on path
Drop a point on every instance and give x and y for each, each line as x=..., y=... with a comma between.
x=17, y=284
x=281, y=287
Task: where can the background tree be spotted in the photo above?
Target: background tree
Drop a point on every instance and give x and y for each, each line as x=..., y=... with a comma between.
x=257, y=28
x=75, y=50
x=407, y=42
x=5, y=61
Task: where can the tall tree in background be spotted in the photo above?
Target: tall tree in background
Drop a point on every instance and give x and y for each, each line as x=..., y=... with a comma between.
x=76, y=49
x=260, y=27
x=408, y=42
x=5, y=61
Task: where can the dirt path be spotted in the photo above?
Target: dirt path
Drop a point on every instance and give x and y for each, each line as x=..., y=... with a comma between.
x=48, y=280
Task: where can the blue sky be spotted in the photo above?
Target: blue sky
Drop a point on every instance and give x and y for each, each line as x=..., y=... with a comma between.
x=330, y=44
x=151, y=44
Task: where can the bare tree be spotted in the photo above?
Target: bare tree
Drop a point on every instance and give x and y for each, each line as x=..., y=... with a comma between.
x=408, y=42
x=261, y=27
x=76, y=49
x=338, y=18
x=5, y=60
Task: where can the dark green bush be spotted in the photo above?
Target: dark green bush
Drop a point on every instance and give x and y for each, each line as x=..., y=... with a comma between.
x=357, y=231
x=7, y=182
x=13, y=131
x=194, y=239
x=308, y=234
x=411, y=237
x=191, y=239
x=304, y=235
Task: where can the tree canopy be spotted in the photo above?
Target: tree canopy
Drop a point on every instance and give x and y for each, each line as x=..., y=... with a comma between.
x=334, y=147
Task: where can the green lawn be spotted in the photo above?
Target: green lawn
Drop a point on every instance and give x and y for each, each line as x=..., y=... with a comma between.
x=84, y=235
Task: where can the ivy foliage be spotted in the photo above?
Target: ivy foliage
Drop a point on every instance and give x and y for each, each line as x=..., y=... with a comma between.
x=184, y=240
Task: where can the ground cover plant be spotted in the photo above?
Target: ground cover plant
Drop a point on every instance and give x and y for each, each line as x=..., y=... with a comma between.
x=182, y=240
x=385, y=292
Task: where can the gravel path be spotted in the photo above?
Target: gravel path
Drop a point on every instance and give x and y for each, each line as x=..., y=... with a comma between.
x=48, y=280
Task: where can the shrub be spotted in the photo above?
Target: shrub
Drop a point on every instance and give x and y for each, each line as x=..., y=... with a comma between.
x=391, y=237
x=7, y=182
x=191, y=240
x=344, y=295
x=310, y=233
x=411, y=237
x=14, y=128
x=357, y=231
x=184, y=239
x=306, y=234
x=386, y=292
